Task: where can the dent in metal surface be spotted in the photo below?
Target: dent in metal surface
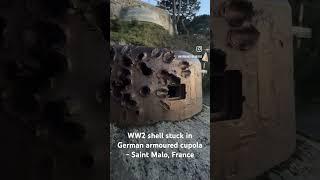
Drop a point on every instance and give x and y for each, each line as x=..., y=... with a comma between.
x=149, y=85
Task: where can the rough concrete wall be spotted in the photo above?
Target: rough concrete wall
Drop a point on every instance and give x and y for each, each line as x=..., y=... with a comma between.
x=117, y=5
x=265, y=134
x=148, y=14
x=129, y=10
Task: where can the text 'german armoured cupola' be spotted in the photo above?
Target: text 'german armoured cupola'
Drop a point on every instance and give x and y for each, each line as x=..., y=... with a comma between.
x=149, y=85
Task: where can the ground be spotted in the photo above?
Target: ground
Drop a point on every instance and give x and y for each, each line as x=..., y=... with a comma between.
x=173, y=168
x=305, y=163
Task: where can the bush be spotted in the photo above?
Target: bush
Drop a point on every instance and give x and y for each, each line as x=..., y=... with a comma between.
x=139, y=33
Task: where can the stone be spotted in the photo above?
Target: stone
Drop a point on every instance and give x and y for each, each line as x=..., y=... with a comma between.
x=179, y=165
x=129, y=10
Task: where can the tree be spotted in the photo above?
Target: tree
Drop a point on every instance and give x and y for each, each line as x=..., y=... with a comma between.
x=199, y=25
x=180, y=11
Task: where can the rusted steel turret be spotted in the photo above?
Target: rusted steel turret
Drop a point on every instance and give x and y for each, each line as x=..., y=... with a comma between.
x=149, y=85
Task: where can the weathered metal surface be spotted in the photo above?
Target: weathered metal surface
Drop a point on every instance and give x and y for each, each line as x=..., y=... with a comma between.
x=149, y=85
x=264, y=134
x=236, y=12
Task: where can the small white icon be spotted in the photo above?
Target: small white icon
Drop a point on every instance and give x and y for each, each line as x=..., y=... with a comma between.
x=199, y=48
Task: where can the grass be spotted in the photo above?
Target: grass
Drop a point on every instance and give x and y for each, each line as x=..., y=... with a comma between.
x=152, y=35
x=139, y=33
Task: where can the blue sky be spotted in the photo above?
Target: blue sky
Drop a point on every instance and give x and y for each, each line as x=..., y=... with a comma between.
x=204, y=6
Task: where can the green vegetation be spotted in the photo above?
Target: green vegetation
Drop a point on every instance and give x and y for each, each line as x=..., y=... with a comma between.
x=199, y=25
x=180, y=11
x=153, y=35
x=139, y=33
